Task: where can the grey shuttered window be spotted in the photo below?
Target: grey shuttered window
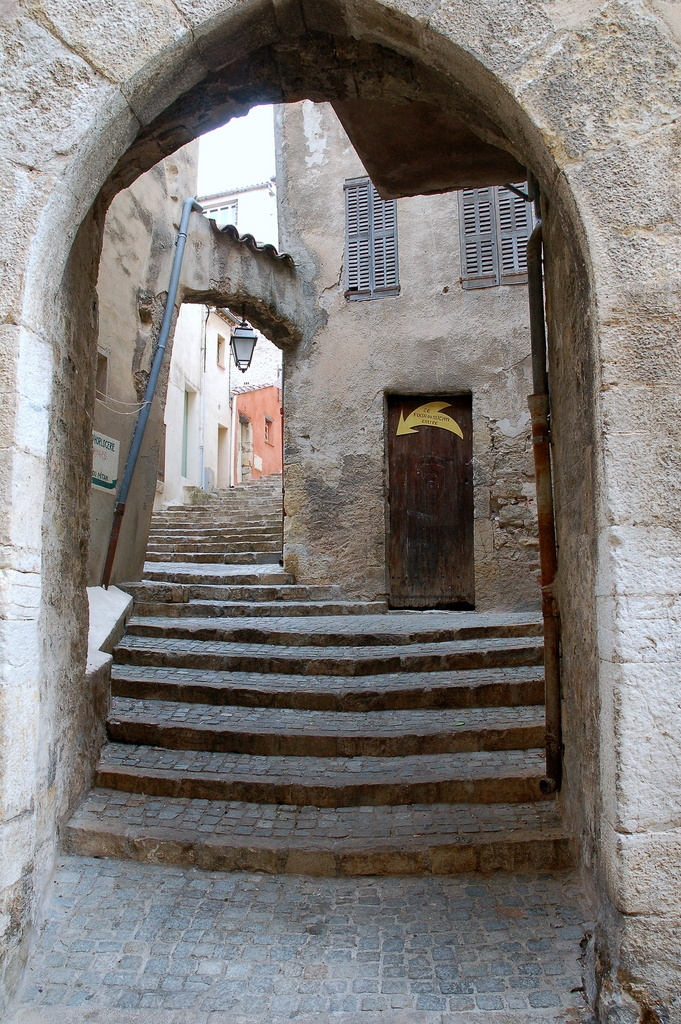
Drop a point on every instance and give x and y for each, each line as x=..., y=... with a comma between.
x=371, y=267
x=478, y=238
x=514, y=224
x=494, y=225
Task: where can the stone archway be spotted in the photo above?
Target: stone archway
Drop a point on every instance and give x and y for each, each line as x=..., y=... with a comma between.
x=562, y=92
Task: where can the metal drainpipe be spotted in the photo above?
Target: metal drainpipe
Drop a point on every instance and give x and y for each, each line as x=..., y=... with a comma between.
x=540, y=411
x=143, y=415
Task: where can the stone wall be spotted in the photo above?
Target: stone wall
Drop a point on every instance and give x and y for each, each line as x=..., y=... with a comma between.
x=433, y=338
x=589, y=96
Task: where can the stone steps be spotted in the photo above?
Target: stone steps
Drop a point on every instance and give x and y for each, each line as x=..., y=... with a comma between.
x=216, y=574
x=439, y=839
x=473, y=688
x=211, y=525
x=506, y=776
x=210, y=535
x=266, y=505
x=257, y=724
x=148, y=591
x=213, y=547
x=184, y=652
x=258, y=517
x=241, y=525
x=230, y=557
x=394, y=629
x=269, y=518
x=294, y=733
x=270, y=609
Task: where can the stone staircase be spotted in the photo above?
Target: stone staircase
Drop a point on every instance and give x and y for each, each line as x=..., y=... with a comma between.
x=242, y=526
x=261, y=725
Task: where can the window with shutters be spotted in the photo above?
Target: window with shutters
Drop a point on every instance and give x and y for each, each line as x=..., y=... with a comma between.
x=494, y=225
x=371, y=265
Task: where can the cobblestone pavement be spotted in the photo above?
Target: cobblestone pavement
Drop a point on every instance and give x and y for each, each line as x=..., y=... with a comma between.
x=123, y=938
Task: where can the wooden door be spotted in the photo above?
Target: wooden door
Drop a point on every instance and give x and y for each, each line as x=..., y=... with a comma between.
x=430, y=474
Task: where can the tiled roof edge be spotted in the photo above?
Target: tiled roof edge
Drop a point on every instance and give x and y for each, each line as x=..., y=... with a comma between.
x=234, y=191
x=249, y=241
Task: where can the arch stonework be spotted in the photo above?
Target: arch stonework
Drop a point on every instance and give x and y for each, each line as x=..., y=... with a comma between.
x=588, y=96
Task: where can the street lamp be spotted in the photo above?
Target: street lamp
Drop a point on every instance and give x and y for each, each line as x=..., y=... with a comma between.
x=242, y=344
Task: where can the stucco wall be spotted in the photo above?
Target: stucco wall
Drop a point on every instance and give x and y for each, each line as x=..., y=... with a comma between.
x=185, y=375
x=266, y=455
x=209, y=401
x=433, y=338
x=137, y=252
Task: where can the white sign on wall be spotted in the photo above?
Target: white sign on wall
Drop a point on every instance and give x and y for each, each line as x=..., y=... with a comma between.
x=104, y=461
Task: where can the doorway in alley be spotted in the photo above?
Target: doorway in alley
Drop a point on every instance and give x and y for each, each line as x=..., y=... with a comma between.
x=430, y=496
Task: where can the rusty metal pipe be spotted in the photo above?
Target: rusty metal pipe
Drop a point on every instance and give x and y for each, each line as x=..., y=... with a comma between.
x=539, y=405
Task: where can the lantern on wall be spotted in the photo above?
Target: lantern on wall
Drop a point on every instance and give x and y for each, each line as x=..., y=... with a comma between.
x=242, y=344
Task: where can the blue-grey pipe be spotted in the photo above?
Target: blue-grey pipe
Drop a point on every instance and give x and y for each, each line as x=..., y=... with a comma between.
x=143, y=415
x=540, y=410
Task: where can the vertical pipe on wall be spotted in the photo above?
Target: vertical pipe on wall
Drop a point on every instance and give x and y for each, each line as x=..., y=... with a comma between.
x=540, y=411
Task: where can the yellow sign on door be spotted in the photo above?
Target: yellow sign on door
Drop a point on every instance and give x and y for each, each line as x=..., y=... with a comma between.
x=428, y=415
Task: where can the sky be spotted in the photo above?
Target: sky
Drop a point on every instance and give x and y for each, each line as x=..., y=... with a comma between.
x=240, y=153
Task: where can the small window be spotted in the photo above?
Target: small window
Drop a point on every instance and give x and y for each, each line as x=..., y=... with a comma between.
x=225, y=214
x=268, y=430
x=222, y=349
x=494, y=225
x=102, y=380
x=372, y=268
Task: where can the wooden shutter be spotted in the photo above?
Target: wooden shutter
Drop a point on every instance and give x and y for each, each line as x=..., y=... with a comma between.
x=384, y=237
x=357, y=237
x=514, y=223
x=372, y=267
x=477, y=229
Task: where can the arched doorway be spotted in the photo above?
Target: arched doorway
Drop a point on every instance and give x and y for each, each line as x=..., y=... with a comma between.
x=188, y=78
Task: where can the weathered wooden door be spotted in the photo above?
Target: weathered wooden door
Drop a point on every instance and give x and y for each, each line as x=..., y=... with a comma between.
x=430, y=473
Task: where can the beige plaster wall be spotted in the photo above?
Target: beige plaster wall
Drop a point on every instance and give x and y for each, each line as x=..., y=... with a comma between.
x=432, y=338
x=210, y=391
x=185, y=375
x=137, y=252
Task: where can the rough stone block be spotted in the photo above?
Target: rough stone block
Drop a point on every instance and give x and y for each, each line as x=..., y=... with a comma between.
x=28, y=481
x=23, y=191
x=55, y=96
x=34, y=387
x=647, y=725
x=19, y=730
x=639, y=560
x=19, y=594
x=640, y=629
x=16, y=843
x=116, y=41
x=642, y=871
